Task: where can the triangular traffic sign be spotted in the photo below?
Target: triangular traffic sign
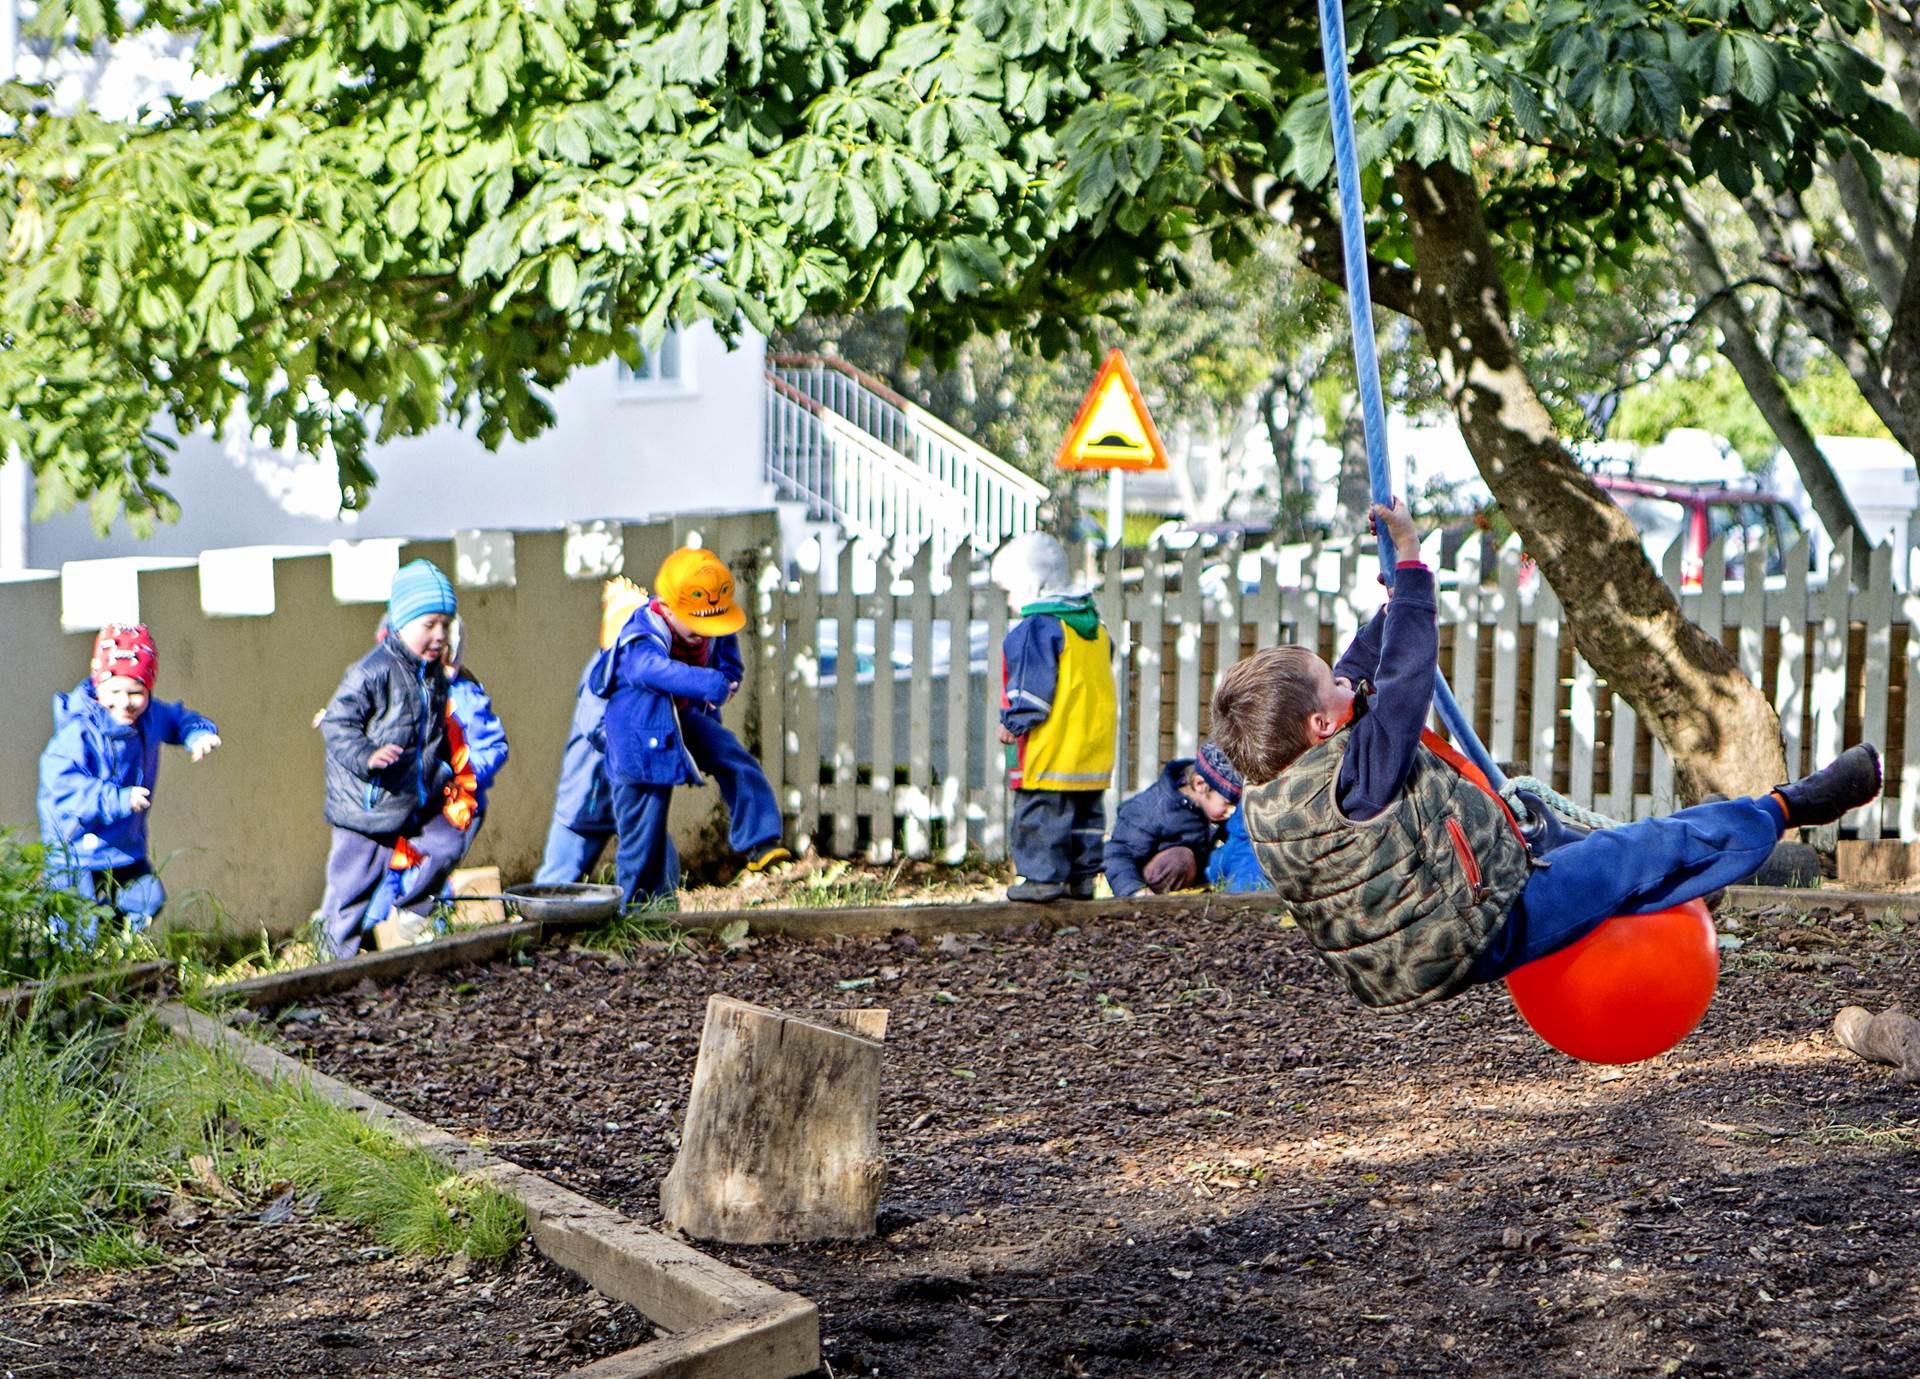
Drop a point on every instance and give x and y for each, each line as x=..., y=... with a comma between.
x=1112, y=430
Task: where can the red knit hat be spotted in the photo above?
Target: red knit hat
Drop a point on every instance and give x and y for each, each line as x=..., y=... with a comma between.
x=125, y=649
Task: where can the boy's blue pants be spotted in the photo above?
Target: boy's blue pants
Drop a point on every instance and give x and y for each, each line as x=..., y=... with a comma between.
x=570, y=854
x=134, y=891
x=1056, y=834
x=644, y=862
x=1650, y=864
x=753, y=815
x=398, y=883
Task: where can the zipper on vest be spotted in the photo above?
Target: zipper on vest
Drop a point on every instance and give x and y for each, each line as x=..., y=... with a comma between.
x=1468, y=863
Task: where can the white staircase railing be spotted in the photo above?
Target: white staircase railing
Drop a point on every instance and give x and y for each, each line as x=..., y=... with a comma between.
x=974, y=494
x=845, y=475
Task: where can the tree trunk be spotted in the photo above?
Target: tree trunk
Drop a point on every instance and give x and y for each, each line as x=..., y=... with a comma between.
x=781, y=1142
x=1742, y=349
x=1715, y=723
x=1903, y=345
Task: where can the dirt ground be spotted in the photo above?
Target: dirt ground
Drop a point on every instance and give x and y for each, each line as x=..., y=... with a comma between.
x=296, y=1297
x=1170, y=1147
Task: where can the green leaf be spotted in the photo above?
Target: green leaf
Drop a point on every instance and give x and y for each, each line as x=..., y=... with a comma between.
x=283, y=266
x=563, y=281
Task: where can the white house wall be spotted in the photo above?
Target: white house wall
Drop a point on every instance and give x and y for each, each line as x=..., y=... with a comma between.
x=618, y=449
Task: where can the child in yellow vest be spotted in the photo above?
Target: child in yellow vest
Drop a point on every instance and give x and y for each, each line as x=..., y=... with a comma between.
x=1057, y=713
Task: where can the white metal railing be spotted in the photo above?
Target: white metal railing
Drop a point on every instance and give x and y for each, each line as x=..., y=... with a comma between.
x=998, y=500
x=848, y=476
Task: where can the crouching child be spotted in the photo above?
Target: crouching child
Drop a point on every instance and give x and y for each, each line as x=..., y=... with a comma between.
x=1164, y=836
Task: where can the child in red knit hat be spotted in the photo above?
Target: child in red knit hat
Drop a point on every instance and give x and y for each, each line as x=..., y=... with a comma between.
x=97, y=775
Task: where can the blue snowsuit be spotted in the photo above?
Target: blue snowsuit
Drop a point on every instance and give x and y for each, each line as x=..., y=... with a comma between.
x=87, y=773
x=583, y=802
x=662, y=729
x=1157, y=818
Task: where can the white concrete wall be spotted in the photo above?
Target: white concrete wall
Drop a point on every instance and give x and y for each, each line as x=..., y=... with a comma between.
x=246, y=824
x=624, y=451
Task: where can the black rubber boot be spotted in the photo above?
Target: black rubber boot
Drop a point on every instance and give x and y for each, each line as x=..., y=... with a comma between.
x=1080, y=888
x=1037, y=892
x=1847, y=782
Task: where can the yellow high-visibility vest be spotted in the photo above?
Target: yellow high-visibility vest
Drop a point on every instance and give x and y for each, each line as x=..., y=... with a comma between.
x=1072, y=748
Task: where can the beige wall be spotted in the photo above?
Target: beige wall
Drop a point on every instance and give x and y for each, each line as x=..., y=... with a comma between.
x=246, y=824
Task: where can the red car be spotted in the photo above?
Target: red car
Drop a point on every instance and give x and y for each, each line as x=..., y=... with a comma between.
x=1663, y=510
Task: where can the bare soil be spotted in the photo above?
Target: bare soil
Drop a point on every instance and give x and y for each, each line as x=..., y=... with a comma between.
x=1171, y=1147
x=302, y=1296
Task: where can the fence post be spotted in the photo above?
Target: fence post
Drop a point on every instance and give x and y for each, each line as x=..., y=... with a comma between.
x=1186, y=657
x=1506, y=656
x=1790, y=682
x=1546, y=683
x=1830, y=668
x=993, y=834
x=1147, y=657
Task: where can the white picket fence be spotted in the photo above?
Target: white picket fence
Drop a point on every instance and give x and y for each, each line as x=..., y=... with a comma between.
x=901, y=757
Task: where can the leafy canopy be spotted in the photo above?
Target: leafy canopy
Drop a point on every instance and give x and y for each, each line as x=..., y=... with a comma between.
x=399, y=211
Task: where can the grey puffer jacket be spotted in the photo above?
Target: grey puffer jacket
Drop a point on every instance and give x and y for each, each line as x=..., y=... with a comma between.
x=388, y=696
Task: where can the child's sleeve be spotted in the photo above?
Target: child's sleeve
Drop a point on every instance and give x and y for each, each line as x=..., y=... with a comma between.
x=1127, y=844
x=180, y=725
x=643, y=662
x=1032, y=652
x=1361, y=660
x=1387, y=734
x=486, y=736
x=76, y=798
x=726, y=659
x=344, y=725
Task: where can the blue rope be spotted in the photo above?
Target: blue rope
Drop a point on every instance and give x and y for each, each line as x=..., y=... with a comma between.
x=1366, y=355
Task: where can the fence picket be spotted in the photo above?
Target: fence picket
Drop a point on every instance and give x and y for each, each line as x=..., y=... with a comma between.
x=1830, y=666
x=1790, y=686
x=1506, y=654
x=1876, y=611
x=1186, y=654
x=803, y=682
x=884, y=823
x=993, y=834
x=953, y=785
x=1545, y=736
x=1149, y=611
x=1110, y=598
x=846, y=702
x=919, y=802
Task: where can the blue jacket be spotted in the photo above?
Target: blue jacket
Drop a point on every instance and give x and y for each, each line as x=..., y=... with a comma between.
x=1233, y=866
x=583, y=802
x=641, y=681
x=88, y=769
x=1157, y=818
x=486, y=736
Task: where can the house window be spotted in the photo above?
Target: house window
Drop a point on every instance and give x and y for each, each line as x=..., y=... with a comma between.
x=662, y=372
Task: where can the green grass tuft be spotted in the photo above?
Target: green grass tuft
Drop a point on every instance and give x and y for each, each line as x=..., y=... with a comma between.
x=95, y=1129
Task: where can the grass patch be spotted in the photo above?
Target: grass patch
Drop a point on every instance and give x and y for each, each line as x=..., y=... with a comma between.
x=95, y=1131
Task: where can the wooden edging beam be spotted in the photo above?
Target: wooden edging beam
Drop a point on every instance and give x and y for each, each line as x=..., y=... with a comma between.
x=134, y=979
x=999, y=916
x=726, y=1324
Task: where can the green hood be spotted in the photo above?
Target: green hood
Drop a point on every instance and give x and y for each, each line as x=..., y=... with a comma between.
x=1077, y=613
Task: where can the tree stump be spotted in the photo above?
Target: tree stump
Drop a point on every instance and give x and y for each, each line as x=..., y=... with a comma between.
x=781, y=1143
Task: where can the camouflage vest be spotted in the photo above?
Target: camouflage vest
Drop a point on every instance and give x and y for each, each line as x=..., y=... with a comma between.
x=1399, y=905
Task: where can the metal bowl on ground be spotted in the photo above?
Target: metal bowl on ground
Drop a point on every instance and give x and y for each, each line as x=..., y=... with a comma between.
x=573, y=904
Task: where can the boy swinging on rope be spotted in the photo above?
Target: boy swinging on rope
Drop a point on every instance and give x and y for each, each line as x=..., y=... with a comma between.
x=1406, y=872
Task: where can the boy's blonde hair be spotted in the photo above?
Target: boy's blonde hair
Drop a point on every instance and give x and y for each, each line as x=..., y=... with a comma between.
x=1261, y=708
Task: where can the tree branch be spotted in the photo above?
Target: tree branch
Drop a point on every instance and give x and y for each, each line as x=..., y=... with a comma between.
x=1742, y=349
x=1872, y=227
x=1391, y=285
